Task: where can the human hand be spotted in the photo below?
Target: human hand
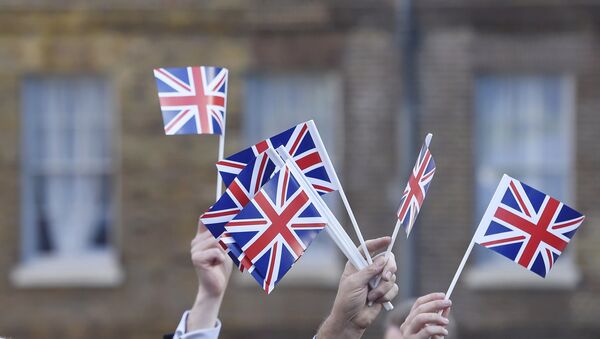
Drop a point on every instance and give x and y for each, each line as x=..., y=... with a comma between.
x=213, y=269
x=211, y=263
x=424, y=320
x=351, y=315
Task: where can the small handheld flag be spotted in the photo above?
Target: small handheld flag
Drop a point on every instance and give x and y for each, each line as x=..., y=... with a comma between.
x=276, y=227
x=416, y=188
x=525, y=225
x=192, y=99
x=414, y=194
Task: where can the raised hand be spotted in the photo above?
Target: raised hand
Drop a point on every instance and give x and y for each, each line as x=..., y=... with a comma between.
x=424, y=320
x=351, y=315
x=213, y=269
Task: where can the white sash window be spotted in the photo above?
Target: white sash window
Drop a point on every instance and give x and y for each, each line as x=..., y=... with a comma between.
x=524, y=127
x=67, y=182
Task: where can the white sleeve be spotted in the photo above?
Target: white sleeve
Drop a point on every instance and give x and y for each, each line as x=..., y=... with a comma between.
x=205, y=333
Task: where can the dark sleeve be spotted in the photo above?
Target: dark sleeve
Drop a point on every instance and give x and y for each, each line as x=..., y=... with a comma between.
x=168, y=336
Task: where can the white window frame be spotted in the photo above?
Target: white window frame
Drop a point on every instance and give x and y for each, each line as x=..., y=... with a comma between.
x=507, y=275
x=94, y=269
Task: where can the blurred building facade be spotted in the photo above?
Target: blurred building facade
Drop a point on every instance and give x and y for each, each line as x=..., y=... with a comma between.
x=100, y=206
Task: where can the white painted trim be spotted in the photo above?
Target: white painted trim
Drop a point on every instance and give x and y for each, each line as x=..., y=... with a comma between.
x=322, y=269
x=99, y=269
x=506, y=275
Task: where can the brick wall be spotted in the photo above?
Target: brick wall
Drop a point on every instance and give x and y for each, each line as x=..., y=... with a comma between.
x=452, y=55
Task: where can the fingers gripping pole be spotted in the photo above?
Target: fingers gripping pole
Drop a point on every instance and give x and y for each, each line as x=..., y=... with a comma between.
x=390, y=246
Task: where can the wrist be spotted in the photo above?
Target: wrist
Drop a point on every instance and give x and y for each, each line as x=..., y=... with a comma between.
x=204, y=312
x=208, y=294
x=336, y=326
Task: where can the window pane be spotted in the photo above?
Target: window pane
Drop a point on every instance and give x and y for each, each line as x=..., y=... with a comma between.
x=67, y=164
x=523, y=126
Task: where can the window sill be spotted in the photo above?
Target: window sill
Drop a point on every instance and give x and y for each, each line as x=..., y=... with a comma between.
x=90, y=270
x=321, y=268
x=506, y=275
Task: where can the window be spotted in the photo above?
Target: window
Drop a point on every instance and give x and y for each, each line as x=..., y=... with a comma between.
x=67, y=182
x=524, y=127
x=275, y=102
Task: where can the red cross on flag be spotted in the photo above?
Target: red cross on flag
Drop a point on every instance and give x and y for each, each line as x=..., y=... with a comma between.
x=276, y=227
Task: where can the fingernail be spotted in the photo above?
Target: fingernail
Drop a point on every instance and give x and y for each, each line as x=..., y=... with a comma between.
x=445, y=332
x=388, y=275
x=447, y=302
x=445, y=321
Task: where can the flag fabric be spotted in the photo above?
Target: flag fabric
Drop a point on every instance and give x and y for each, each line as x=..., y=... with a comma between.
x=416, y=189
x=527, y=226
x=236, y=197
x=276, y=227
x=192, y=99
x=304, y=144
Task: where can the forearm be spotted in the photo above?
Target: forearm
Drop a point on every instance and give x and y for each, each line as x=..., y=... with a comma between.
x=204, y=312
x=335, y=327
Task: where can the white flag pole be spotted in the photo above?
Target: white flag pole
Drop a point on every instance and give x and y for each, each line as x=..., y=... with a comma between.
x=485, y=220
x=394, y=235
x=390, y=246
x=221, y=149
x=428, y=139
x=460, y=269
x=337, y=182
x=335, y=230
x=219, y=190
x=361, y=239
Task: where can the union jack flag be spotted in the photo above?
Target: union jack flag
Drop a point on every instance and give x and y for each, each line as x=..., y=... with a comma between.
x=303, y=142
x=416, y=188
x=276, y=227
x=192, y=99
x=236, y=197
x=527, y=226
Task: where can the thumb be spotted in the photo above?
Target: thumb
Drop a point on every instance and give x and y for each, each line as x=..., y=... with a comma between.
x=366, y=274
x=201, y=227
